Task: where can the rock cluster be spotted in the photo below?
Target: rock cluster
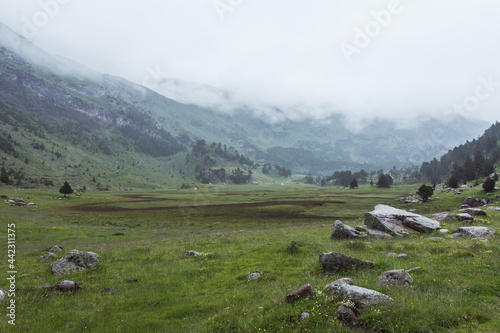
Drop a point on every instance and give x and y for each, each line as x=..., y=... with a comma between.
x=19, y=202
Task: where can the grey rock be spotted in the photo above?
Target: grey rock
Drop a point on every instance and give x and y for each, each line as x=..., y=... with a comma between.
x=48, y=256
x=335, y=284
x=474, y=212
x=360, y=296
x=494, y=208
x=55, y=248
x=443, y=217
x=465, y=217
x=252, y=276
x=67, y=282
x=304, y=316
x=395, y=277
x=341, y=231
x=443, y=231
x=390, y=219
x=396, y=255
x=299, y=293
x=3, y=296
x=336, y=262
x=480, y=232
x=191, y=253
x=75, y=261
x=373, y=232
x=421, y=224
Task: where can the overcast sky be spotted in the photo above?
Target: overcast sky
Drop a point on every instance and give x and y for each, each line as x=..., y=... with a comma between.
x=367, y=58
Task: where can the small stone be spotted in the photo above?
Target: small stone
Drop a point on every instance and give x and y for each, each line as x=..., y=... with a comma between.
x=55, y=248
x=396, y=255
x=493, y=208
x=304, y=316
x=444, y=231
x=253, y=276
x=302, y=292
x=191, y=253
x=48, y=256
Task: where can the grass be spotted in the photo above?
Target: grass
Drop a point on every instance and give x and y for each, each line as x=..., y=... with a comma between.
x=240, y=230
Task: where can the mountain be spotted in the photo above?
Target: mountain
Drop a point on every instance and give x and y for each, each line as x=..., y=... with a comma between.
x=469, y=161
x=60, y=120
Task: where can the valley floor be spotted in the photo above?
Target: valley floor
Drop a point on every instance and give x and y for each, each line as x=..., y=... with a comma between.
x=145, y=284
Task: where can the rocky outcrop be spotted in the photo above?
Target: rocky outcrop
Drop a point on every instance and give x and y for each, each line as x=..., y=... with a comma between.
x=336, y=262
x=398, y=221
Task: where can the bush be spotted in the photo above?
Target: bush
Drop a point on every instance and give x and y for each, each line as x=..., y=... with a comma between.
x=489, y=185
x=425, y=192
x=453, y=182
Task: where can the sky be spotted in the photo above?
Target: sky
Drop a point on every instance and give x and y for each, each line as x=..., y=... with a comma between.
x=397, y=59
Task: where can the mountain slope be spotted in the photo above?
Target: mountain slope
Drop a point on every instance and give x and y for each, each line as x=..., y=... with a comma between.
x=60, y=119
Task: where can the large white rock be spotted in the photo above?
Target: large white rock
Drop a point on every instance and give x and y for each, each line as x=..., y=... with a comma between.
x=399, y=221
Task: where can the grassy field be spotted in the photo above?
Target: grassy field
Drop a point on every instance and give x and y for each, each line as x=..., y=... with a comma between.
x=144, y=284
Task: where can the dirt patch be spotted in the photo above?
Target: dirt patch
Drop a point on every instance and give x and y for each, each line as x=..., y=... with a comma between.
x=103, y=207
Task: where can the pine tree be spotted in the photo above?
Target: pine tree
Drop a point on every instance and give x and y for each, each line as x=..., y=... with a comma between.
x=453, y=182
x=383, y=181
x=425, y=192
x=354, y=183
x=66, y=189
x=4, y=177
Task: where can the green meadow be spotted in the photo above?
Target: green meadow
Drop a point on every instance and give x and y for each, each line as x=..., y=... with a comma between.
x=144, y=284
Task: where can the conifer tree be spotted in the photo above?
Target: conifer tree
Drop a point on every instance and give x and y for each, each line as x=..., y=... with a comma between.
x=66, y=189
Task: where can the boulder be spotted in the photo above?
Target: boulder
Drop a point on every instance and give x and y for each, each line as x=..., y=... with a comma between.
x=335, y=284
x=342, y=231
x=252, y=276
x=75, y=261
x=493, y=208
x=336, y=262
x=360, y=296
x=475, y=202
x=191, y=253
x=476, y=232
x=299, y=293
x=465, y=217
x=474, y=212
x=390, y=219
x=373, y=232
x=395, y=277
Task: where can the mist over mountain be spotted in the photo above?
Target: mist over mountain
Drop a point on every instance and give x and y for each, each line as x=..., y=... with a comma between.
x=56, y=102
